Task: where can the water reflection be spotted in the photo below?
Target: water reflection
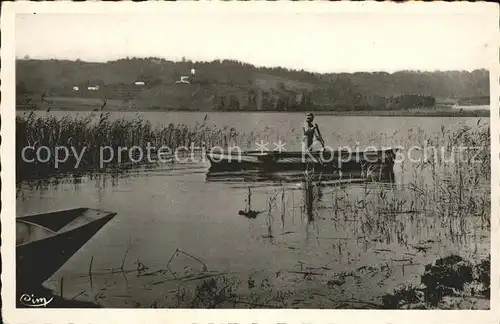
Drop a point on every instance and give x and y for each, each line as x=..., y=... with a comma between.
x=249, y=212
x=347, y=221
x=311, y=183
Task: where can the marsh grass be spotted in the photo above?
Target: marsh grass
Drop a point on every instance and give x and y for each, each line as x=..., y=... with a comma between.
x=438, y=203
x=439, y=207
x=439, y=211
x=98, y=130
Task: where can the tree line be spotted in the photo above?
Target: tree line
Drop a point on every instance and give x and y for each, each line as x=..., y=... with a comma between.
x=232, y=85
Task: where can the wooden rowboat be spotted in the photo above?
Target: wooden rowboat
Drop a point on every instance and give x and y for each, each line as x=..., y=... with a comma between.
x=44, y=242
x=322, y=161
x=332, y=178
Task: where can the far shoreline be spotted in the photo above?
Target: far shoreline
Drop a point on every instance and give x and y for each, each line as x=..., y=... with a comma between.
x=450, y=112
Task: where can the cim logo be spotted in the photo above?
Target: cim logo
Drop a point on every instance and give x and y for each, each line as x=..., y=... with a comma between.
x=32, y=301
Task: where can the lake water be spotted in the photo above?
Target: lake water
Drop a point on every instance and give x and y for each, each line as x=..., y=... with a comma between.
x=344, y=249
x=336, y=130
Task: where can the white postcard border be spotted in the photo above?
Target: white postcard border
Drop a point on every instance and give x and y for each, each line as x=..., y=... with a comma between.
x=179, y=316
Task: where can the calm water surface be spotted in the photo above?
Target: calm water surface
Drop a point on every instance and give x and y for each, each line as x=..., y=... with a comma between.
x=287, y=248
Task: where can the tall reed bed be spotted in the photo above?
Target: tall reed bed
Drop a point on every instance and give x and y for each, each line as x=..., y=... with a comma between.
x=439, y=201
x=382, y=234
x=372, y=231
x=98, y=131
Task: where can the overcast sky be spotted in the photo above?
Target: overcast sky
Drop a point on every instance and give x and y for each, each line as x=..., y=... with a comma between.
x=320, y=42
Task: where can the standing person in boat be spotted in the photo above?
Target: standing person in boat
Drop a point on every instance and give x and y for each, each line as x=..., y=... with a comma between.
x=311, y=130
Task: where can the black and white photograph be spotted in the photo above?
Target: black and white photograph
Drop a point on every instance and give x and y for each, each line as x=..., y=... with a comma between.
x=250, y=156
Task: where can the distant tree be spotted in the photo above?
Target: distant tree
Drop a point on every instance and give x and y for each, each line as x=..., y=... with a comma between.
x=21, y=88
x=222, y=105
x=234, y=103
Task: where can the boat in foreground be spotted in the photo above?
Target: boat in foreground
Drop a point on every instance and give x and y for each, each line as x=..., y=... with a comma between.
x=44, y=242
x=320, y=161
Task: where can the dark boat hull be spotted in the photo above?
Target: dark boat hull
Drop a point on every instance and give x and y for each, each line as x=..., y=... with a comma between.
x=38, y=260
x=299, y=161
x=380, y=175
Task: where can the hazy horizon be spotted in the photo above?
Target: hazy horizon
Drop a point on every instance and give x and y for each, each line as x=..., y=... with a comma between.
x=315, y=42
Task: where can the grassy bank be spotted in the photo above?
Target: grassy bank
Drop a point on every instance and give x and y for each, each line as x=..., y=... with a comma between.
x=448, y=283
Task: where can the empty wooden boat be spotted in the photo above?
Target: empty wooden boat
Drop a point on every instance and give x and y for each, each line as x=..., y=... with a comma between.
x=44, y=242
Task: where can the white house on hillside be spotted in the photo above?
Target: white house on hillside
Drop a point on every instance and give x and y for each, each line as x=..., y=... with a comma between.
x=184, y=79
x=95, y=88
x=75, y=88
x=187, y=78
x=139, y=83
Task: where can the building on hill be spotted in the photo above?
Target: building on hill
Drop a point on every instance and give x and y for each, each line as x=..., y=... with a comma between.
x=184, y=79
x=188, y=78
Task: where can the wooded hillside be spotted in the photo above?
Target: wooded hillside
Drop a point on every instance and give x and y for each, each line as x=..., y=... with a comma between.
x=233, y=85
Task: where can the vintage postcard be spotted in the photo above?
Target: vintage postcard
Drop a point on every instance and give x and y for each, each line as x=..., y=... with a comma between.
x=280, y=162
